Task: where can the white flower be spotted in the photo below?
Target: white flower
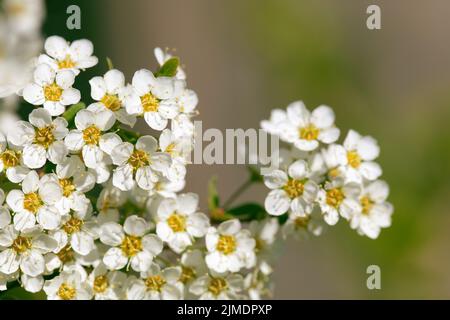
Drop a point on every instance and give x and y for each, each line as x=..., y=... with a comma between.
x=156, y=284
x=90, y=137
x=24, y=16
x=163, y=56
x=301, y=227
x=178, y=147
x=131, y=244
x=24, y=250
x=334, y=160
x=5, y=215
x=339, y=198
x=40, y=139
x=192, y=266
x=229, y=247
x=51, y=89
x=167, y=188
x=11, y=161
x=61, y=55
x=137, y=164
x=78, y=230
x=107, y=285
x=152, y=98
x=68, y=285
x=35, y=202
x=375, y=212
x=361, y=151
x=292, y=191
x=74, y=182
x=110, y=91
x=108, y=203
x=265, y=233
x=178, y=221
x=305, y=129
x=226, y=287
x=275, y=124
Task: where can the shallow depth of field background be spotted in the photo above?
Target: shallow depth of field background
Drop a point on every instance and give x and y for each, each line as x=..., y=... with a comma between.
x=244, y=58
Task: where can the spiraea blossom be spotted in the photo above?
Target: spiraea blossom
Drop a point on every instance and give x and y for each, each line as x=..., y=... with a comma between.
x=90, y=208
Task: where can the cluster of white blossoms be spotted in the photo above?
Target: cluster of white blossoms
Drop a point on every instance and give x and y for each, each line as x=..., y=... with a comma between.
x=90, y=209
x=320, y=181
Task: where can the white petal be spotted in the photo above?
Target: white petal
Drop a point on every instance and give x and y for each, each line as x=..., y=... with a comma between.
x=70, y=96
x=49, y=218
x=277, y=202
x=33, y=263
x=57, y=152
x=297, y=170
x=114, y=259
x=135, y=226
x=155, y=121
x=111, y=233
x=329, y=135
x=34, y=94
x=98, y=88
x=147, y=143
x=122, y=153
x=123, y=178
x=115, y=80
x=65, y=79
x=322, y=117
x=56, y=47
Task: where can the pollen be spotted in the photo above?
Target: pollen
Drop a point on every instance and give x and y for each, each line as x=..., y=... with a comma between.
x=66, y=63
x=294, y=188
x=112, y=102
x=139, y=159
x=66, y=292
x=353, y=158
x=301, y=222
x=177, y=222
x=217, y=285
x=32, y=202
x=101, y=283
x=67, y=186
x=335, y=197
x=10, y=158
x=149, y=103
x=154, y=283
x=187, y=274
x=91, y=135
x=21, y=244
x=310, y=132
x=66, y=254
x=73, y=225
x=366, y=204
x=44, y=136
x=53, y=92
x=226, y=244
x=131, y=246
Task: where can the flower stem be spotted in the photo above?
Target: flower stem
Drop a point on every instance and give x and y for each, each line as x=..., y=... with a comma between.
x=237, y=193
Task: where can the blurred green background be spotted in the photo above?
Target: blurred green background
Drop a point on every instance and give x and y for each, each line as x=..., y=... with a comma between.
x=244, y=58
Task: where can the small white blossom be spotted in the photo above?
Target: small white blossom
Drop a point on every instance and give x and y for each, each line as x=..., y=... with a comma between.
x=68, y=285
x=228, y=287
x=41, y=139
x=229, y=247
x=11, y=161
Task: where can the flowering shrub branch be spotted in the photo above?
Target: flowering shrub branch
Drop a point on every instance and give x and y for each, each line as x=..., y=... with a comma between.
x=91, y=209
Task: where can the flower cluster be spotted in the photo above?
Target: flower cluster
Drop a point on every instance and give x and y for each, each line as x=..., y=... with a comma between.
x=320, y=180
x=89, y=209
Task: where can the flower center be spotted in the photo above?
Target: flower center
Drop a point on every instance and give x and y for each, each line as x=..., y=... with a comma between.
x=301, y=222
x=10, y=158
x=226, y=244
x=171, y=149
x=67, y=186
x=353, y=158
x=66, y=254
x=154, y=283
x=217, y=285
x=101, y=284
x=187, y=274
x=139, y=159
x=131, y=245
x=112, y=102
x=32, y=202
x=67, y=63
x=294, y=188
x=334, y=197
x=66, y=292
x=366, y=204
x=177, y=222
x=309, y=132
x=44, y=136
x=149, y=103
x=334, y=173
x=21, y=244
x=91, y=135
x=53, y=92
x=73, y=225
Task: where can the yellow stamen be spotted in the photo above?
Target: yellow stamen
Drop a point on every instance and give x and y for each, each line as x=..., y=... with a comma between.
x=66, y=63
x=366, y=204
x=217, y=285
x=67, y=186
x=66, y=292
x=91, y=135
x=112, y=102
x=44, y=136
x=226, y=244
x=294, y=188
x=73, y=225
x=149, y=103
x=101, y=283
x=155, y=283
x=177, y=222
x=10, y=158
x=131, y=246
x=335, y=197
x=353, y=158
x=32, y=202
x=139, y=159
x=187, y=274
x=53, y=92
x=309, y=132
x=21, y=244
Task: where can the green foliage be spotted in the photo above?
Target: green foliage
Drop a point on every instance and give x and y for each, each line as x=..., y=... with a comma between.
x=248, y=212
x=169, y=68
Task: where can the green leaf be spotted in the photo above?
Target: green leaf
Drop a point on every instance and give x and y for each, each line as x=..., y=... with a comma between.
x=248, y=212
x=213, y=195
x=169, y=68
x=70, y=113
x=283, y=218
